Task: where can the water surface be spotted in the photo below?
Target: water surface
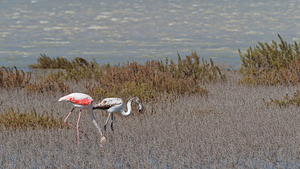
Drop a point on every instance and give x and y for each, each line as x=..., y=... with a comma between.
x=119, y=31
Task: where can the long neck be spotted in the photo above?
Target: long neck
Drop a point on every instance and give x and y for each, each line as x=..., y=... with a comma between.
x=128, y=109
x=95, y=123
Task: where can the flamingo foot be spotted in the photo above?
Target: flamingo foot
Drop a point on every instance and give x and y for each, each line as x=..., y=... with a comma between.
x=102, y=141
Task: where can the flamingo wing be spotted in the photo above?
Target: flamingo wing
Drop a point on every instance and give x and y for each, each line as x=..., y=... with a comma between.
x=108, y=103
x=78, y=98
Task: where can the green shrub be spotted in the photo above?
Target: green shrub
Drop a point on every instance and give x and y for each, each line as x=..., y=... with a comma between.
x=45, y=62
x=271, y=64
x=14, y=119
x=82, y=69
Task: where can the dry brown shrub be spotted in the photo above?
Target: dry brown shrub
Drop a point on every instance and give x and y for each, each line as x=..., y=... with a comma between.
x=148, y=82
x=154, y=78
x=51, y=83
x=12, y=77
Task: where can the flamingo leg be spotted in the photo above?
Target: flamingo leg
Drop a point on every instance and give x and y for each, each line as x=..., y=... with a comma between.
x=106, y=121
x=77, y=127
x=66, y=122
x=112, y=122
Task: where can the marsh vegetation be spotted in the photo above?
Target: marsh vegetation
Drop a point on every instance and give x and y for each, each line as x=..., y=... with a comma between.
x=197, y=114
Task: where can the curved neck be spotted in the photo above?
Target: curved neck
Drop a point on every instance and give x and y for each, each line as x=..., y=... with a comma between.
x=95, y=123
x=128, y=109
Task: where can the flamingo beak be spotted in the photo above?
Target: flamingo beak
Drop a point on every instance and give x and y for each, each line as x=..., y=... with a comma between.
x=140, y=107
x=95, y=107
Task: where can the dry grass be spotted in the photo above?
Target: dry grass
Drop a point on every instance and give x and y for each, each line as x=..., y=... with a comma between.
x=231, y=128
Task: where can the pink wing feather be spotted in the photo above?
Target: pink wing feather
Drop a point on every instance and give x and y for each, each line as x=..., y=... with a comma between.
x=78, y=98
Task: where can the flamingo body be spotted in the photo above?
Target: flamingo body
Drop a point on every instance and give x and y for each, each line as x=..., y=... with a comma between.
x=112, y=105
x=81, y=101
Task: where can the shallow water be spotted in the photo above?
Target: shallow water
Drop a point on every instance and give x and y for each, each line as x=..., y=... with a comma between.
x=117, y=31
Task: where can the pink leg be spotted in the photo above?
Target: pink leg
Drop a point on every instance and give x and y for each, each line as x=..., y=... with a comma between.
x=66, y=122
x=77, y=127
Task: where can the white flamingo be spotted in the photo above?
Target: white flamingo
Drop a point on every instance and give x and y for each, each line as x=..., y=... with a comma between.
x=82, y=101
x=116, y=105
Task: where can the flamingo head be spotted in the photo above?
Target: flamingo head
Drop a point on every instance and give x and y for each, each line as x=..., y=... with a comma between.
x=138, y=101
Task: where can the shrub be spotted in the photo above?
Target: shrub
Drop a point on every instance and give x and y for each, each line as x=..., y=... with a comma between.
x=156, y=78
x=271, y=64
x=76, y=69
x=45, y=62
x=82, y=69
x=287, y=100
x=12, y=77
x=148, y=81
x=51, y=83
x=14, y=119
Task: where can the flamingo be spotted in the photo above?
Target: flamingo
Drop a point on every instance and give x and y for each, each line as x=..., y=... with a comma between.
x=116, y=105
x=82, y=101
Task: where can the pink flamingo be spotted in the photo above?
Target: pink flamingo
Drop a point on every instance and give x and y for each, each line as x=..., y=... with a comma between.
x=82, y=101
x=116, y=105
